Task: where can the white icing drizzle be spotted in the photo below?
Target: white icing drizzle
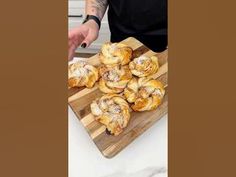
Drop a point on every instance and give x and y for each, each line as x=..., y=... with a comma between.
x=96, y=109
x=80, y=72
x=140, y=60
x=112, y=75
x=158, y=92
x=114, y=108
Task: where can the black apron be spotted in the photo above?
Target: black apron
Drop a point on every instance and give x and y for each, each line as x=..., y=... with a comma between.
x=145, y=20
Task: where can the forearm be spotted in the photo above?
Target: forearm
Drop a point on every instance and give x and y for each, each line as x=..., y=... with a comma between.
x=96, y=7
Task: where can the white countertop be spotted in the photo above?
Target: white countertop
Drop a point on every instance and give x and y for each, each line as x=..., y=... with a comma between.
x=149, y=152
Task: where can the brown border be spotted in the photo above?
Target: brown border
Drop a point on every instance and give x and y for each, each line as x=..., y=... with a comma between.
x=33, y=91
x=33, y=96
x=202, y=88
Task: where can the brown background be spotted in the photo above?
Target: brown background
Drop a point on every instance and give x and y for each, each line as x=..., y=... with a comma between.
x=33, y=92
x=202, y=88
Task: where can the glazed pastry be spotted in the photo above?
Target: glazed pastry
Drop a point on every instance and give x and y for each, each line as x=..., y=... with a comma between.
x=144, y=93
x=115, y=53
x=144, y=66
x=114, y=79
x=82, y=74
x=112, y=111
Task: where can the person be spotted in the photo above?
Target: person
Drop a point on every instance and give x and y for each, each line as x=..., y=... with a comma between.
x=146, y=20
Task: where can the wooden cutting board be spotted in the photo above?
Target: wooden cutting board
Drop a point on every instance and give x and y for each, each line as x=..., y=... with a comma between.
x=81, y=98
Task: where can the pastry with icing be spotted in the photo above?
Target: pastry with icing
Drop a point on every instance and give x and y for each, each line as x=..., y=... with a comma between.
x=82, y=74
x=144, y=93
x=115, y=54
x=114, y=79
x=144, y=66
x=113, y=111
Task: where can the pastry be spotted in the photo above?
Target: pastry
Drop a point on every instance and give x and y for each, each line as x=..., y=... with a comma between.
x=144, y=66
x=114, y=79
x=144, y=93
x=113, y=111
x=82, y=74
x=115, y=53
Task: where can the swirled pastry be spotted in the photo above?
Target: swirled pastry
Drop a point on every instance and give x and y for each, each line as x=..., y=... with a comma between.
x=144, y=93
x=82, y=74
x=115, y=53
x=144, y=66
x=114, y=79
x=112, y=111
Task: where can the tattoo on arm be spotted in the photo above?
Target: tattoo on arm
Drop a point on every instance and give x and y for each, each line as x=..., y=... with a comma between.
x=96, y=7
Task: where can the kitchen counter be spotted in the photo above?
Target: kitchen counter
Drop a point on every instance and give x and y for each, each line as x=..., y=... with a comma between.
x=144, y=157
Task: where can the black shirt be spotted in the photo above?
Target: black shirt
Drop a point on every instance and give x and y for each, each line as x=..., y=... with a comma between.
x=145, y=20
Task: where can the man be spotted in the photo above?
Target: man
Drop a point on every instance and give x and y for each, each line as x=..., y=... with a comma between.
x=146, y=20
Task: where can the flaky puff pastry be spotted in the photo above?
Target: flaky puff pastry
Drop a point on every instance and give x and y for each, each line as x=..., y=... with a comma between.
x=113, y=111
x=144, y=93
x=82, y=74
x=114, y=79
x=115, y=54
x=144, y=66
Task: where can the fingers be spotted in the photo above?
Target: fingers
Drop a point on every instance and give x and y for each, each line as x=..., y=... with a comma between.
x=91, y=36
x=71, y=52
x=73, y=44
x=72, y=48
x=75, y=37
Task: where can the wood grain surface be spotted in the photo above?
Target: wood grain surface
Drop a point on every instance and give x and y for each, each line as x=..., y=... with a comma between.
x=80, y=99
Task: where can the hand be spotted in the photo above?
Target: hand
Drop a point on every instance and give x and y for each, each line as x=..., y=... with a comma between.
x=85, y=34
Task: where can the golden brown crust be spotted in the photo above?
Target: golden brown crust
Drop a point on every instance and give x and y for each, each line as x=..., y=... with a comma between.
x=115, y=54
x=82, y=74
x=144, y=93
x=113, y=111
x=144, y=66
x=114, y=79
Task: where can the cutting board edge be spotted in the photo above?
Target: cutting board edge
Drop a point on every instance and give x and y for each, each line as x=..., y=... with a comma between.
x=109, y=156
